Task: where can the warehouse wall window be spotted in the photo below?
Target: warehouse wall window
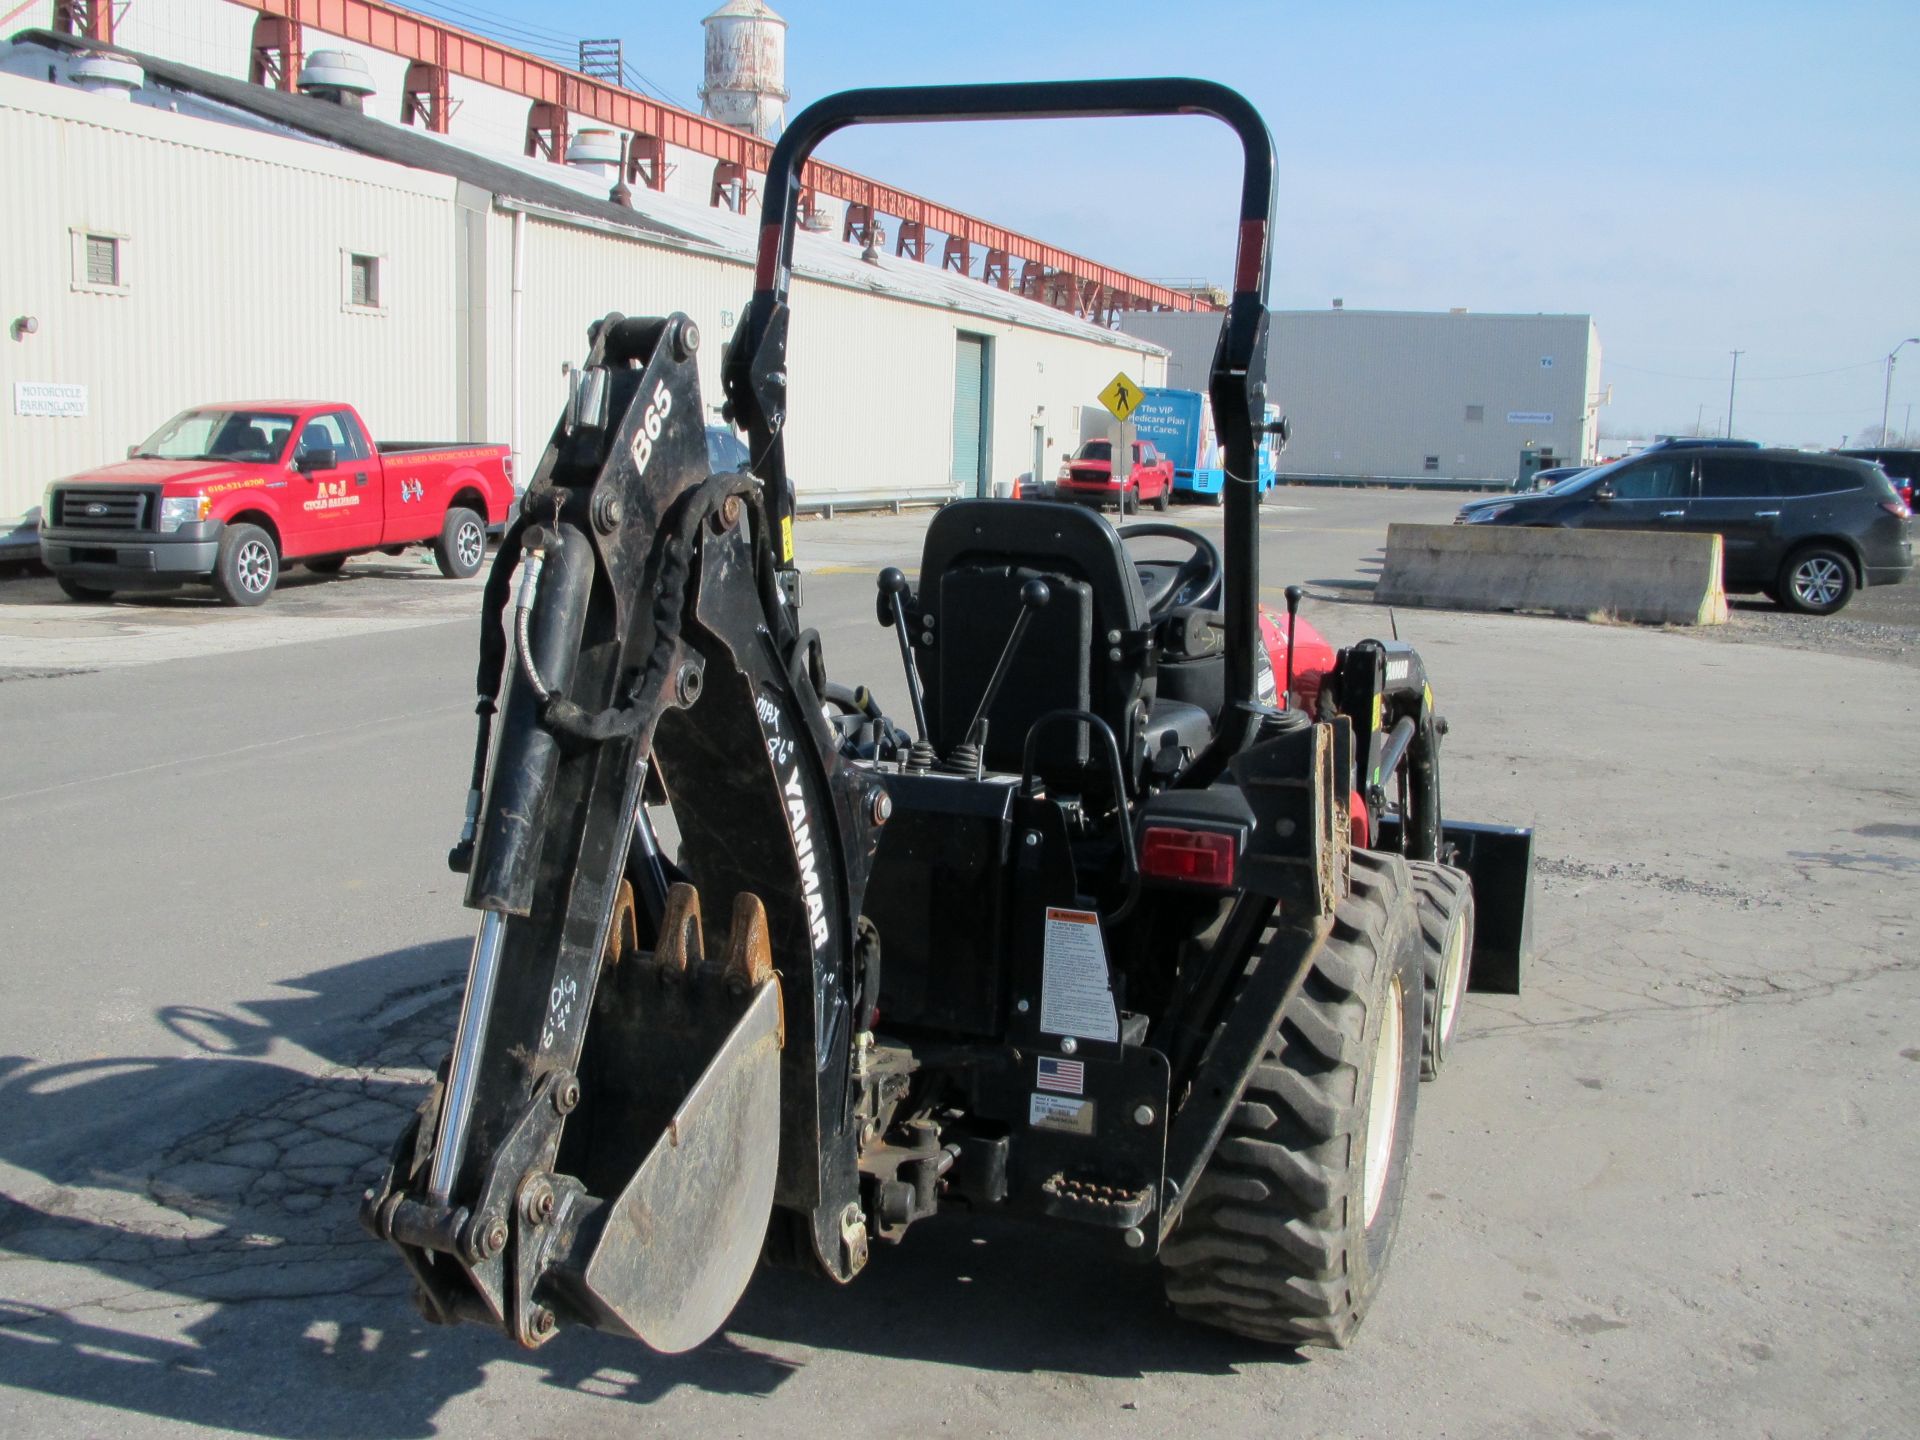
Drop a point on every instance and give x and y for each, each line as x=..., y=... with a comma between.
x=1476, y=414
x=99, y=261
x=1433, y=462
x=363, y=283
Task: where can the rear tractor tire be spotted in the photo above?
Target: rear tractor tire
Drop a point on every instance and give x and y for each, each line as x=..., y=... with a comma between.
x=1445, y=898
x=1287, y=1234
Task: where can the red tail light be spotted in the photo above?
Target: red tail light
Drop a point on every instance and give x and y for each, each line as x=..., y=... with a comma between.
x=1192, y=857
x=1897, y=508
x=508, y=462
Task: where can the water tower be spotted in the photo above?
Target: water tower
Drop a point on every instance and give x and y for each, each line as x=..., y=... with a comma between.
x=746, y=73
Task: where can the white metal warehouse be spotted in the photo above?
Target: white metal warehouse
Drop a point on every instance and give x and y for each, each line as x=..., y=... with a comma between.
x=1397, y=394
x=213, y=239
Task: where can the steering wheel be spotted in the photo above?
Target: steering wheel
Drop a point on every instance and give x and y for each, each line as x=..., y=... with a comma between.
x=1169, y=583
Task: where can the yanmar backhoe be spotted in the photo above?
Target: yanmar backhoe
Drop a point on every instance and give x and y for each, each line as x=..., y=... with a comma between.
x=1148, y=928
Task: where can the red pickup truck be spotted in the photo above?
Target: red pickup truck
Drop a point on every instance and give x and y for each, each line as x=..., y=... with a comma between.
x=230, y=493
x=1088, y=477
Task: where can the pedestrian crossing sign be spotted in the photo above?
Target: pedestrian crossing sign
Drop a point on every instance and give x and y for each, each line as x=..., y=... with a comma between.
x=1121, y=397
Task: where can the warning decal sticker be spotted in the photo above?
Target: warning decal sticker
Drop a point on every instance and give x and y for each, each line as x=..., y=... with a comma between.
x=1075, y=998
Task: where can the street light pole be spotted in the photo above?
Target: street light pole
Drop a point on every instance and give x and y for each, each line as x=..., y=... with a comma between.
x=1732, y=380
x=1886, y=395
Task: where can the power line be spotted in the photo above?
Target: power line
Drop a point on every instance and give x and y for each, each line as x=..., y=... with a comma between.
x=500, y=24
x=637, y=81
x=1751, y=379
x=562, y=50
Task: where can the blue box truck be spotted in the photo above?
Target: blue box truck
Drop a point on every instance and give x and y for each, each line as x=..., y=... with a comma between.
x=1180, y=424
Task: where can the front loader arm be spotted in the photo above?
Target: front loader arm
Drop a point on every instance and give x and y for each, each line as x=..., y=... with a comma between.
x=625, y=1099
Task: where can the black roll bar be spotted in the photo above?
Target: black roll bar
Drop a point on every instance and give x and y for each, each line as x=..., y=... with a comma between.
x=755, y=369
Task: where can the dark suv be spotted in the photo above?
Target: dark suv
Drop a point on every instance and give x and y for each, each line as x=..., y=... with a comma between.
x=1902, y=467
x=1804, y=529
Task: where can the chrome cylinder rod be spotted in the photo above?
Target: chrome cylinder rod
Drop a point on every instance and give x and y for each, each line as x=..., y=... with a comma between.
x=456, y=1108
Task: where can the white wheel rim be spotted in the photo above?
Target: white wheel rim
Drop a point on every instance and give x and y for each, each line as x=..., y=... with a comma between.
x=1453, y=970
x=1817, y=581
x=255, y=565
x=1383, y=1106
x=468, y=543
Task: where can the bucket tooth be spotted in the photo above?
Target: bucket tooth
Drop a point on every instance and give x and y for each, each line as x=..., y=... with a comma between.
x=749, y=951
x=623, y=935
x=681, y=948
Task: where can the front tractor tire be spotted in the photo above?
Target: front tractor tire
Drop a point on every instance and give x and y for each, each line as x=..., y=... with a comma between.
x=1288, y=1230
x=1445, y=898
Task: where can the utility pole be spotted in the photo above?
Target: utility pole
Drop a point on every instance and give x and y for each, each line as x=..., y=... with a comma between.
x=1732, y=380
x=1886, y=395
x=1699, y=417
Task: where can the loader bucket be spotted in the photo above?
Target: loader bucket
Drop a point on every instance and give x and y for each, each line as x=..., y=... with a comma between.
x=681, y=1241
x=1499, y=861
x=1499, y=858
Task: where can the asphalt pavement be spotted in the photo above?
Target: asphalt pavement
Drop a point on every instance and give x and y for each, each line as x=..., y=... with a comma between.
x=1667, y=1191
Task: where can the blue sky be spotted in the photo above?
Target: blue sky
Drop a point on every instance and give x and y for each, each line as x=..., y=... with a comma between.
x=1698, y=177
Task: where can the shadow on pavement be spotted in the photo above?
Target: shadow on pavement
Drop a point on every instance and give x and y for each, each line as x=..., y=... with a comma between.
x=202, y=1260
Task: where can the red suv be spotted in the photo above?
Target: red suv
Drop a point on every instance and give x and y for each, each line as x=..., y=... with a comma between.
x=1088, y=477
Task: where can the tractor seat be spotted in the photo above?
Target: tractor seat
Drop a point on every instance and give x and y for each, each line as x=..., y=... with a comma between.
x=1089, y=648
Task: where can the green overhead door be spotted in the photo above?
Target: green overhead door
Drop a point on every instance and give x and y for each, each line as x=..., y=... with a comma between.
x=970, y=389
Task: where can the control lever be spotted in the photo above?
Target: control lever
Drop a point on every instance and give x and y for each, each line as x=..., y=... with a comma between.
x=893, y=612
x=1033, y=596
x=1294, y=592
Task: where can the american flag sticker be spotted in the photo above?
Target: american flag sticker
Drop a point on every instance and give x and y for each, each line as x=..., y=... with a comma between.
x=1064, y=1077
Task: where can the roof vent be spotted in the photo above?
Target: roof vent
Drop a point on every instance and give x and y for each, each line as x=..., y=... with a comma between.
x=1339, y=304
x=338, y=76
x=596, y=152
x=105, y=73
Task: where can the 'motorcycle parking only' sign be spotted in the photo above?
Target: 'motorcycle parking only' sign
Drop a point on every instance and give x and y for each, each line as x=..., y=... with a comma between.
x=61, y=402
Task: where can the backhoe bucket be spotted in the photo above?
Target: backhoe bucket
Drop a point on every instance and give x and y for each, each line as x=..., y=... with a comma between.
x=682, y=1240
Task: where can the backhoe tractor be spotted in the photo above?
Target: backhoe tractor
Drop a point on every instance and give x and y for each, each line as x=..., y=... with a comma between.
x=1145, y=922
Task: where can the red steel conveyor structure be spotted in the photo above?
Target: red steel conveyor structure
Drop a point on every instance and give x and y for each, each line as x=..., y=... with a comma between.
x=437, y=51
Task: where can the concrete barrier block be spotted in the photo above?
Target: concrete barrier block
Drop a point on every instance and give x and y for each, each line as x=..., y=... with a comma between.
x=1650, y=577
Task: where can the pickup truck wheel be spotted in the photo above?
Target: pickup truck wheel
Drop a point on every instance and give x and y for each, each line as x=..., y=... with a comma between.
x=1290, y=1226
x=1445, y=897
x=327, y=566
x=247, y=567
x=1160, y=501
x=462, y=544
x=1129, y=503
x=74, y=590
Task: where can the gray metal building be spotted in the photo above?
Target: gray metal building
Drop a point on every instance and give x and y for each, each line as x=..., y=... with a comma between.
x=1413, y=394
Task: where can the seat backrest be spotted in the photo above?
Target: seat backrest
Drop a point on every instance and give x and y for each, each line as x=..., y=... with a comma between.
x=978, y=555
